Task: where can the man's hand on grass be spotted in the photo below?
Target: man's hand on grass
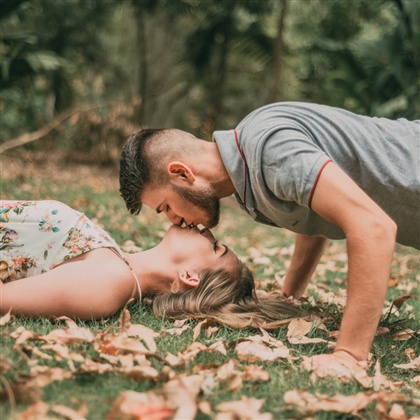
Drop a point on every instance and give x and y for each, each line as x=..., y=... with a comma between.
x=339, y=364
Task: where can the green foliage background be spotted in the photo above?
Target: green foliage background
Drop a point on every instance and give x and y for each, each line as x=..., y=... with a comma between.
x=197, y=64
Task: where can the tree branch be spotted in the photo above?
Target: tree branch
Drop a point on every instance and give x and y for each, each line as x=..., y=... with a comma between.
x=42, y=132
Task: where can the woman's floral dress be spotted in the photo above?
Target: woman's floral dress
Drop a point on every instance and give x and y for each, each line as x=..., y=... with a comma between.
x=36, y=236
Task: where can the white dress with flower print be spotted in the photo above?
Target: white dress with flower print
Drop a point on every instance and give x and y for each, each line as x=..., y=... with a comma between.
x=36, y=236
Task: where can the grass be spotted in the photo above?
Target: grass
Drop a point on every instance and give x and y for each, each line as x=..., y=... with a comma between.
x=266, y=250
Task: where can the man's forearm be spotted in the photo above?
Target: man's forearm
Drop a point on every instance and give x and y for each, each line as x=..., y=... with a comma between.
x=368, y=273
x=308, y=251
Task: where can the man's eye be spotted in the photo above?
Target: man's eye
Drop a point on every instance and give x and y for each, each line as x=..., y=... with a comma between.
x=215, y=245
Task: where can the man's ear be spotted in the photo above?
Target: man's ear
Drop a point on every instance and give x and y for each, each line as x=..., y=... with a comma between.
x=189, y=278
x=180, y=172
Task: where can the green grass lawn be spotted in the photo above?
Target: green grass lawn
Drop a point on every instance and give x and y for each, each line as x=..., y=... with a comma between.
x=267, y=251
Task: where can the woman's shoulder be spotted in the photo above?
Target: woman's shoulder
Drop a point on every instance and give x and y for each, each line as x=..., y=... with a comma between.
x=108, y=265
x=104, y=260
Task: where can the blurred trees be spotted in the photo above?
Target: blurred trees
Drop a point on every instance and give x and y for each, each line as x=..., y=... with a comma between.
x=198, y=65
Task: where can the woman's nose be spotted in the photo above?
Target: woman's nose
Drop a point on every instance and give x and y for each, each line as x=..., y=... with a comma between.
x=207, y=234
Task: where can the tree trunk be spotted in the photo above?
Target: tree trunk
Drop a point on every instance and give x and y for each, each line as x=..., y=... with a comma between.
x=142, y=70
x=218, y=87
x=278, y=50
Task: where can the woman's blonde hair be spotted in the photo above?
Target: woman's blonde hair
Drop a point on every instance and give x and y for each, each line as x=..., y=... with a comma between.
x=229, y=300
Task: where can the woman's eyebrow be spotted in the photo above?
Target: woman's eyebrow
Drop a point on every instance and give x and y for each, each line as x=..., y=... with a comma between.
x=225, y=251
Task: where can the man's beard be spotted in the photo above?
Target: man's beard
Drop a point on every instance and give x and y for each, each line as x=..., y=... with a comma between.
x=205, y=200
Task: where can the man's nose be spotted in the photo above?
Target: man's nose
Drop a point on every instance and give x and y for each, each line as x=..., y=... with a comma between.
x=173, y=218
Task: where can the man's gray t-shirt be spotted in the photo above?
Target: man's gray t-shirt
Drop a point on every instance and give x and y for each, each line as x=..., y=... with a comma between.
x=276, y=154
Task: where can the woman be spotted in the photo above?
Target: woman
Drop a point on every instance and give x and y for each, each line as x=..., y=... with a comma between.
x=54, y=261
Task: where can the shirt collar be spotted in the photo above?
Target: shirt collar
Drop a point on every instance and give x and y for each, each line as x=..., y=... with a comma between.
x=228, y=143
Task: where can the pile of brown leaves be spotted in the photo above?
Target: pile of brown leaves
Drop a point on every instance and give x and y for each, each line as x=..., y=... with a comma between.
x=128, y=350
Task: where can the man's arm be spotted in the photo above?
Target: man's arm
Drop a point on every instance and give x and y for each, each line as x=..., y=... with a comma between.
x=370, y=235
x=308, y=251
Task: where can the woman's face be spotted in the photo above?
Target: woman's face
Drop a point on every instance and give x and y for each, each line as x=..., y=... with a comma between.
x=198, y=250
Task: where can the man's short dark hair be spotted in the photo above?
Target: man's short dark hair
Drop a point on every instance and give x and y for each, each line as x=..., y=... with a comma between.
x=134, y=168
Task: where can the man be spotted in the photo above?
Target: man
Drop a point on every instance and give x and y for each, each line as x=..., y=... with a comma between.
x=319, y=171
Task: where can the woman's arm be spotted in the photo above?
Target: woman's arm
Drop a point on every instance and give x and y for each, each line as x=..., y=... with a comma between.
x=91, y=286
x=307, y=253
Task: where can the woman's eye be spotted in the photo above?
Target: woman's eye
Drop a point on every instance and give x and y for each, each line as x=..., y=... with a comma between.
x=215, y=245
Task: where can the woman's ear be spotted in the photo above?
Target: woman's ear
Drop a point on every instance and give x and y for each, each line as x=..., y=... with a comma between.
x=180, y=172
x=189, y=278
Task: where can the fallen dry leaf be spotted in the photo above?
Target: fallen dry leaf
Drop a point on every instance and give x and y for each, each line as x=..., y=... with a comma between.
x=175, y=361
x=91, y=366
x=261, y=347
x=63, y=352
x=140, y=373
x=381, y=331
x=70, y=413
x=250, y=351
x=309, y=404
x=181, y=392
x=396, y=412
x=399, y=301
x=21, y=334
x=380, y=381
x=175, y=400
x=140, y=406
x=6, y=318
x=5, y=364
x=403, y=335
x=176, y=331
x=298, y=327
x=297, y=330
x=255, y=373
x=38, y=410
x=146, y=334
x=227, y=374
x=195, y=348
x=414, y=364
x=72, y=334
x=203, y=325
x=44, y=375
x=126, y=328
x=119, y=344
x=245, y=409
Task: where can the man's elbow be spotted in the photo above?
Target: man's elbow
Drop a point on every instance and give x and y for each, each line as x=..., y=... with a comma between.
x=390, y=229
x=375, y=229
x=384, y=230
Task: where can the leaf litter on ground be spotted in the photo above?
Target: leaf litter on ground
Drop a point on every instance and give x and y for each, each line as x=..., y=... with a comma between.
x=181, y=384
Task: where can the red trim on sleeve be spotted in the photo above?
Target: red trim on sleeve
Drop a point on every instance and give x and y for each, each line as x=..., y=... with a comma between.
x=245, y=164
x=316, y=182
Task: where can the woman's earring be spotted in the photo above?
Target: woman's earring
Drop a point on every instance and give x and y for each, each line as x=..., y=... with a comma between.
x=175, y=286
